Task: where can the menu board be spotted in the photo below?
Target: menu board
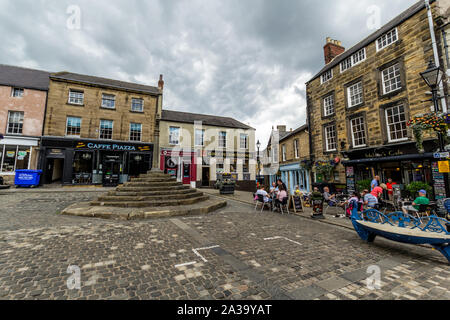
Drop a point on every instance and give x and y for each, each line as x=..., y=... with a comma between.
x=439, y=182
x=296, y=203
x=350, y=174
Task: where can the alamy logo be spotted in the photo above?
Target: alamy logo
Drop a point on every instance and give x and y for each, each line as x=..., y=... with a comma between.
x=374, y=280
x=374, y=20
x=74, y=20
x=74, y=281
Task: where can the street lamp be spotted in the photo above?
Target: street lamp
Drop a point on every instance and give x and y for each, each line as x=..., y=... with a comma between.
x=433, y=77
x=258, y=145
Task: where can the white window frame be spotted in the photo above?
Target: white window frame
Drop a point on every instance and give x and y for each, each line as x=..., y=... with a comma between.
x=296, y=149
x=245, y=136
x=140, y=136
x=327, y=147
x=388, y=126
x=399, y=76
x=322, y=77
x=109, y=97
x=80, y=97
x=350, y=62
x=385, y=35
x=132, y=104
x=171, y=140
x=283, y=153
x=202, y=136
x=275, y=154
x=222, y=142
x=326, y=105
x=363, y=123
x=9, y=118
x=349, y=96
x=100, y=129
x=13, y=92
x=67, y=127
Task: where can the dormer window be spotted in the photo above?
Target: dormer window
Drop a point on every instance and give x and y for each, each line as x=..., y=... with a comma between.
x=326, y=76
x=17, y=92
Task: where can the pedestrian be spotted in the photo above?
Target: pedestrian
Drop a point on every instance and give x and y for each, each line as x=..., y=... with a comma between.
x=390, y=189
x=375, y=183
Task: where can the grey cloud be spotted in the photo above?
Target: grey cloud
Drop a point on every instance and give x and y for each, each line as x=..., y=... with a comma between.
x=245, y=59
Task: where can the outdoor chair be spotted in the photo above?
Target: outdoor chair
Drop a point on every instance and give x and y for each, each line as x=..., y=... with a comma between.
x=284, y=204
x=260, y=201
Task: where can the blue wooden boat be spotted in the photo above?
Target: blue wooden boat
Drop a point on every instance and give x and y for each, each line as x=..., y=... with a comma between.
x=401, y=227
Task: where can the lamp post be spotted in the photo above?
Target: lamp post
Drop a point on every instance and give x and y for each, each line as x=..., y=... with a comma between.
x=433, y=77
x=258, y=145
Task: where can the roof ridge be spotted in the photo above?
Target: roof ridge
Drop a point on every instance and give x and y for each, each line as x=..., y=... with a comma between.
x=24, y=68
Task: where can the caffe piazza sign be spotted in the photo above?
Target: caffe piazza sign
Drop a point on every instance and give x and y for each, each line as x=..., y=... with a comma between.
x=110, y=147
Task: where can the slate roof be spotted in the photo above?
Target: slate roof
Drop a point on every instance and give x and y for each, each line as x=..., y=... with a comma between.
x=405, y=15
x=24, y=78
x=186, y=117
x=116, y=84
x=291, y=133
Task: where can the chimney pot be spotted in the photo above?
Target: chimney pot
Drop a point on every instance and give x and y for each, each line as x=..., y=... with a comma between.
x=161, y=82
x=332, y=49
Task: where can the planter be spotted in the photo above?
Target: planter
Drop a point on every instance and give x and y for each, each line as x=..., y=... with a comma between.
x=227, y=189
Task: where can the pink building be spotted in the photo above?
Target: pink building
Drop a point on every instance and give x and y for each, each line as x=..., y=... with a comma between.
x=23, y=96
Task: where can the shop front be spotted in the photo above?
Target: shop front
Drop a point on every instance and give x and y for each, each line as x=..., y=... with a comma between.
x=17, y=153
x=180, y=164
x=399, y=164
x=91, y=162
x=294, y=175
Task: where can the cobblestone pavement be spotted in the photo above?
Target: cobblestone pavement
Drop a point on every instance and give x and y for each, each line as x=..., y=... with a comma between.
x=232, y=254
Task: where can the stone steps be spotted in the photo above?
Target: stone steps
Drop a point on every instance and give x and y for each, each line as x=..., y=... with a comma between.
x=148, y=204
x=151, y=193
x=120, y=198
x=124, y=214
x=153, y=184
x=153, y=180
x=167, y=189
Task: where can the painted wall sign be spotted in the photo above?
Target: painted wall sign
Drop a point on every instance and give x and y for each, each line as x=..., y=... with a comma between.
x=111, y=147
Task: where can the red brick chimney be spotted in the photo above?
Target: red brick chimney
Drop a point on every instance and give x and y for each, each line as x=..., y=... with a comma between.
x=161, y=82
x=332, y=49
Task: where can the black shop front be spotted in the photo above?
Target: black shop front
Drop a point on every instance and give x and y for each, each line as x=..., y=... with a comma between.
x=93, y=162
x=402, y=163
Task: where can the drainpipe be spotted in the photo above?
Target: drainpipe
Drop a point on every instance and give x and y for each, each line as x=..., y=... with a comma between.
x=435, y=51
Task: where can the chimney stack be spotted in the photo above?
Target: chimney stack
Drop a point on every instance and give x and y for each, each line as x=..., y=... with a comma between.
x=332, y=49
x=281, y=128
x=161, y=82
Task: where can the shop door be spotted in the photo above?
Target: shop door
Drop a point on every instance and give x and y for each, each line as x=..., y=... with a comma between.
x=139, y=164
x=205, y=177
x=186, y=173
x=171, y=166
x=111, y=173
x=54, y=170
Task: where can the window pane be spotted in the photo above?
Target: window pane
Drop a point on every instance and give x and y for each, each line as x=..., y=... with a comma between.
x=135, y=132
x=106, y=129
x=10, y=159
x=396, y=123
x=76, y=97
x=73, y=126
x=108, y=101
x=137, y=105
x=174, y=134
x=15, y=122
x=23, y=157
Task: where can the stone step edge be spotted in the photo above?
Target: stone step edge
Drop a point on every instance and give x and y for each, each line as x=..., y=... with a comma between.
x=181, y=196
x=84, y=210
x=141, y=204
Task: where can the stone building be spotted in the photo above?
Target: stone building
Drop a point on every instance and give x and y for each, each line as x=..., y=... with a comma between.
x=23, y=94
x=360, y=102
x=97, y=130
x=294, y=159
x=198, y=149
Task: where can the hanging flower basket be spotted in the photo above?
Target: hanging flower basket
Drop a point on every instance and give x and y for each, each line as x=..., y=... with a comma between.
x=428, y=122
x=324, y=168
x=306, y=164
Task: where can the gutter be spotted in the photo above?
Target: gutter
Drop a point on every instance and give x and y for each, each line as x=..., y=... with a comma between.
x=435, y=52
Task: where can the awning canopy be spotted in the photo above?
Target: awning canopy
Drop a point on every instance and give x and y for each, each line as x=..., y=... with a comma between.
x=390, y=159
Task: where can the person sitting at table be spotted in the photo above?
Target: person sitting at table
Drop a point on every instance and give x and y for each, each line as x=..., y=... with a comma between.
x=329, y=198
x=369, y=200
x=377, y=192
x=280, y=197
x=415, y=207
x=298, y=192
x=280, y=183
x=354, y=199
x=273, y=188
x=263, y=193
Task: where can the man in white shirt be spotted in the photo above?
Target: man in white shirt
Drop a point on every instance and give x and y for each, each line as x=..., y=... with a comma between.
x=264, y=193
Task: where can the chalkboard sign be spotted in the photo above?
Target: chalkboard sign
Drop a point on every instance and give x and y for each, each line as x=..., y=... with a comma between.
x=297, y=204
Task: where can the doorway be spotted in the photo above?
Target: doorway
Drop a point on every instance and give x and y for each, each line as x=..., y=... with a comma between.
x=205, y=176
x=111, y=170
x=54, y=171
x=186, y=173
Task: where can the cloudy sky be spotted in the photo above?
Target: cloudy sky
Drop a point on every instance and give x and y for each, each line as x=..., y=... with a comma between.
x=247, y=59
